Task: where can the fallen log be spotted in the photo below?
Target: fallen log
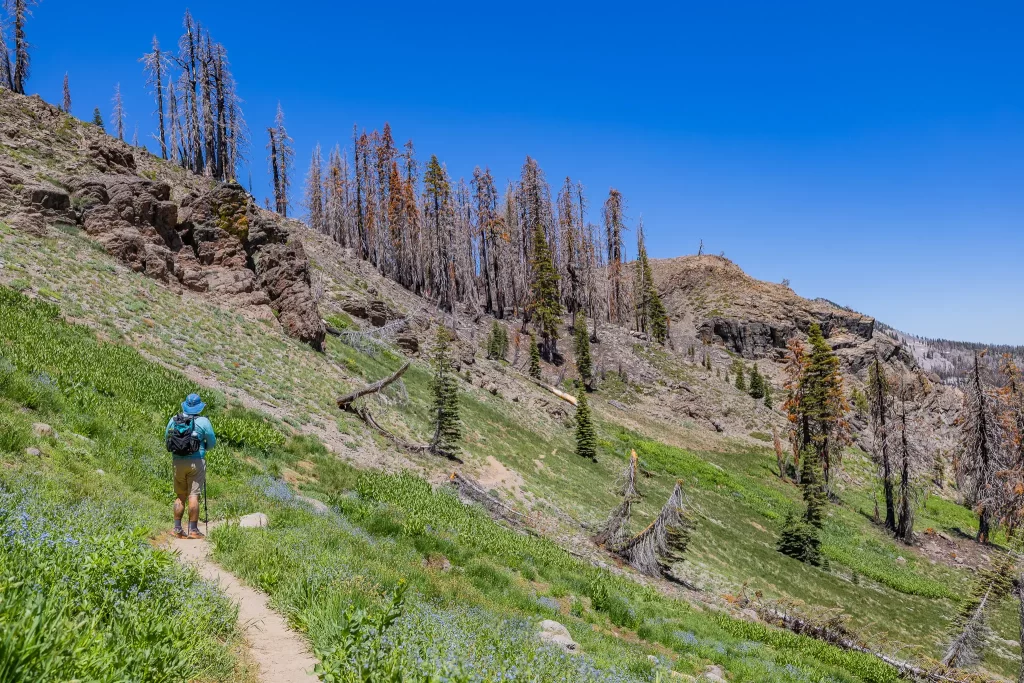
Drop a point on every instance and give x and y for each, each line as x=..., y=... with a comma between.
x=470, y=489
x=345, y=402
x=568, y=398
x=845, y=640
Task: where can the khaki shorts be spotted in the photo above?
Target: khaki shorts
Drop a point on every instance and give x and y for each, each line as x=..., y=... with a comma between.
x=189, y=476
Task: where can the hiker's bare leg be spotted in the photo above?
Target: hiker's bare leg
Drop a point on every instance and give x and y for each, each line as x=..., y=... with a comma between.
x=193, y=509
x=179, y=511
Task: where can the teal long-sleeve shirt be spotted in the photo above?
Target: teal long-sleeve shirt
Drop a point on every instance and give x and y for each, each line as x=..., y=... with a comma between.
x=204, y=430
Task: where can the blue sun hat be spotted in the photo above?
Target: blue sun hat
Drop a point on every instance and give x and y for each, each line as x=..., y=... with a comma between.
x=193, y=405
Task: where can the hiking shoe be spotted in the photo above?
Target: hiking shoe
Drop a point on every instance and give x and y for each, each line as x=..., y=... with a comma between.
x=196, y=535
x=179, y=533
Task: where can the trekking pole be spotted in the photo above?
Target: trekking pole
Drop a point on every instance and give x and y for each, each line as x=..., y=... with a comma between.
x=206, y=510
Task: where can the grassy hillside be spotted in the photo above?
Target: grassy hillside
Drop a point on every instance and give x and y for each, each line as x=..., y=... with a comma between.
x=384, y=533
x=473, y=589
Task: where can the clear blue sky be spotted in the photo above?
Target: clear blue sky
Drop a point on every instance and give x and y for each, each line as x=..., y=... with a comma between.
x=872, y=153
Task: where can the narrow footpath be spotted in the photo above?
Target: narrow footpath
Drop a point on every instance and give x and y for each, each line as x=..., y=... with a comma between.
x=282, y=654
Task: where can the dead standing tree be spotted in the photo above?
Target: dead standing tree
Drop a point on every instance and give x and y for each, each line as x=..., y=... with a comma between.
x=66, y=102
x=18, y=72
x=978, y=462
x=156, y=66
x=117, y=114
x=881, y=424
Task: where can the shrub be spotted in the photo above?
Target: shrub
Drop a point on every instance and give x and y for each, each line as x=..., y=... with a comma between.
x=77, y=605
x=800, y=541
x=14, y=434
x=243, y=428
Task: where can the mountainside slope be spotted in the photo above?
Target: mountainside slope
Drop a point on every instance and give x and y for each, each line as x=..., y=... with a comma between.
x=183, y=230
x=723, y=306
x=684, y=420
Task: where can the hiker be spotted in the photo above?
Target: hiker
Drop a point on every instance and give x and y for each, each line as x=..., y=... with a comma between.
x=188, y=436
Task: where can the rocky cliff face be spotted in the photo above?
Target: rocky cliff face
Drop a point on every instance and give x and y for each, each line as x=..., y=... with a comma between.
x=717, y=303
x=182, y=230
x=754, y=319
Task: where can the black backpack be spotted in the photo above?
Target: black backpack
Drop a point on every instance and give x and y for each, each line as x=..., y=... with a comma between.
x=181, y=438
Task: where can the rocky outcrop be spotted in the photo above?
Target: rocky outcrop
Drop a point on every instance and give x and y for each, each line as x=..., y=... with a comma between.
x=157, y=219
x=238, y=251
x=375, y=311
x=121, y=212
x=763, y=338
x=750, y=339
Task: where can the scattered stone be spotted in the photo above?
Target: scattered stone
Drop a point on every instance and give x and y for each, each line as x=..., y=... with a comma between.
x=750, y=615
x=318, y=506
x=437, y=562
x=554, y=633
x=901, y=560
x=254, y=520
x=100, y=472
x=713, y=673
x=42, y=430
x=34, y=452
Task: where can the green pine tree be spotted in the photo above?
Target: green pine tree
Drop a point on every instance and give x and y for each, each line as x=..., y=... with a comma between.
x=860, y=401
x=497, y=342
x=584, y=363
x=97, y=119
x=586, y=437
x=823, y=405
x=800, y=537
x=651, y=316
x=756, y=383
x=534, y=357
x=545, y=306
x=813, y=488
x=740, y=383
x=447, y=423
x=768, y=401
x=658, y=316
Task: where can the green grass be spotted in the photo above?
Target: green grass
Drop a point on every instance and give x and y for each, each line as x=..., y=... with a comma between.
x=735, y=492
x=83, y=594
x=392, y=530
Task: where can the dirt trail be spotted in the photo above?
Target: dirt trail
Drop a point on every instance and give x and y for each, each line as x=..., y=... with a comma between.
x=282, y=654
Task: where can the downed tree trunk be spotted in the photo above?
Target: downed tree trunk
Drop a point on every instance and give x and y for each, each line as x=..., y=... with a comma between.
x=842, y=639
x=472, y=490
x=345, y=402
x=568, y=398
